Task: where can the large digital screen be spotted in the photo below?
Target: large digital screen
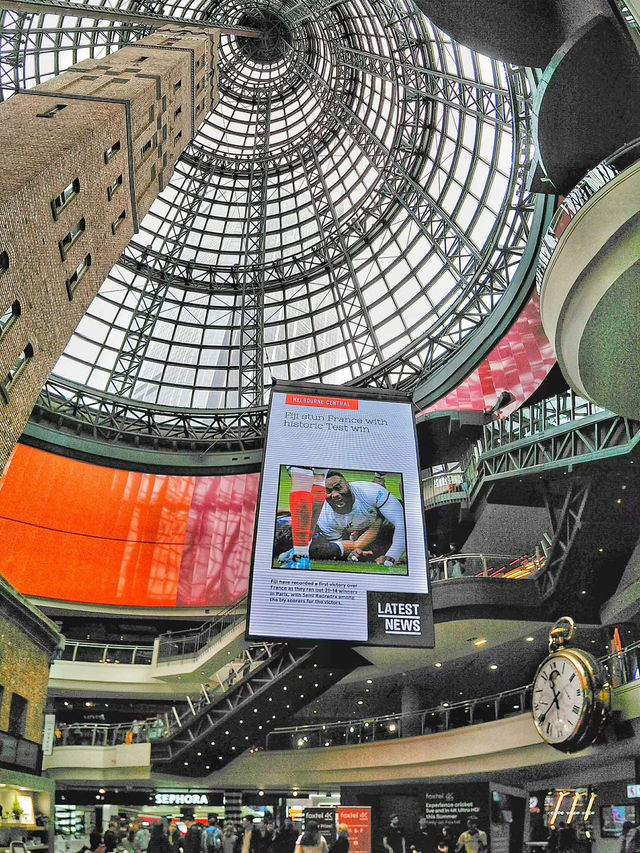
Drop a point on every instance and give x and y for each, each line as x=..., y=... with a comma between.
x=339, y=550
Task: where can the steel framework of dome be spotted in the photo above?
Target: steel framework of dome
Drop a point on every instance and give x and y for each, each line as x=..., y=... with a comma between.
x=351, y=212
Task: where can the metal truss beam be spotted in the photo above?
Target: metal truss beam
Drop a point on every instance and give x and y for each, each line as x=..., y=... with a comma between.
x=251, y=272
x=348, y=294
x=487, y=103
x=598, y=437
x=568, y=524
x=103, y=13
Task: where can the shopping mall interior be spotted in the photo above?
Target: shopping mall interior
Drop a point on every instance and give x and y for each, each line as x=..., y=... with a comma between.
x=437, y=199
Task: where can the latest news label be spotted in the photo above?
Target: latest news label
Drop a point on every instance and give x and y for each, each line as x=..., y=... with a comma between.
x=400, y=618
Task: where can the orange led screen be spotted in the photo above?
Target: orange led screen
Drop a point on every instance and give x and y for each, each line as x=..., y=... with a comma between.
x=87, y=533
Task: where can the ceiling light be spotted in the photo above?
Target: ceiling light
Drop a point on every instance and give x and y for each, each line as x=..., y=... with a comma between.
x=493, y=666
x=437, y=665
x=481, y=641
x=261, y=793
x=528, y=639
x=360, y=702
x=369, y=681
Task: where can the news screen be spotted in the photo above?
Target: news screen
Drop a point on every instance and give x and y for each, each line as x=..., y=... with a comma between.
x=339, y=550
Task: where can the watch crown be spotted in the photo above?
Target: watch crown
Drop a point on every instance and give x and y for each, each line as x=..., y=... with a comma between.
x=561, y=633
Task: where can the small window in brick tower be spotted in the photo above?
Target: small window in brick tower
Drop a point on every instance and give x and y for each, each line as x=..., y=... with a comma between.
x=112, y=151
x=18, y=715
x=11, y=377
x=69, y=239
x=118, y=222
x=9, y=317
x=59, y=203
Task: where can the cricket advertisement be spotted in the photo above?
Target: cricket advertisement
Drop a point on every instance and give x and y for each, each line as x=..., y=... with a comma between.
x=339, y=550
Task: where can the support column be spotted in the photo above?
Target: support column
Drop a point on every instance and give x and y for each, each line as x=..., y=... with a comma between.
x=233, y=806
x=410, y=705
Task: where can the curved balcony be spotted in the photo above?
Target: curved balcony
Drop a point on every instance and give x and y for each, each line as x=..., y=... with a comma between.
x=588, y=275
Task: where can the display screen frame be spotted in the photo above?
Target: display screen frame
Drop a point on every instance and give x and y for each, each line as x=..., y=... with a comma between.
x=611, y=828
x=377, y=599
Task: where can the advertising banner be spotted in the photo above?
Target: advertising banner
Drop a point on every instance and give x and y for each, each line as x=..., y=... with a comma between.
x=451, y=805
x=358, y=820
x=326, y=820
x=339, y=551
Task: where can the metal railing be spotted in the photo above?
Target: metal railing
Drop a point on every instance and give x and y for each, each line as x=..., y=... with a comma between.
x=86, y=652
x=486, y=565
x=447, y=485
x=622, y=668
x=191, y=642
x=561, y=410
x=585, y=189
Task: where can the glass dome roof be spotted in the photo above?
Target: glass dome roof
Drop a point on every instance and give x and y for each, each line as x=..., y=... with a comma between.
x=350, y=212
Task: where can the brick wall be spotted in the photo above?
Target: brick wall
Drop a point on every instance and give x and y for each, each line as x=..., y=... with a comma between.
x=145, y=99
x=24, y=669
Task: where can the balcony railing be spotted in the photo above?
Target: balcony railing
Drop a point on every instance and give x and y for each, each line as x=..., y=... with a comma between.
x=86, y=652
x=190, y=643
x=622, y=668
x=590, y=185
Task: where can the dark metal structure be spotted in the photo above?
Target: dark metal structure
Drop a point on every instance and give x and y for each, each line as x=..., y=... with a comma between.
x=353, y=211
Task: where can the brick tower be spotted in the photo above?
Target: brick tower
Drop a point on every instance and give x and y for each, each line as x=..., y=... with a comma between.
x=83, y=157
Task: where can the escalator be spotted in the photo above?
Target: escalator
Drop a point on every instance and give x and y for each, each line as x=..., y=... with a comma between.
x=290, y=677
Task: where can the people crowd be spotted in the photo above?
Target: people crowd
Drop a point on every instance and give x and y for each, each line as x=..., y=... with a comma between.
x=250, y=837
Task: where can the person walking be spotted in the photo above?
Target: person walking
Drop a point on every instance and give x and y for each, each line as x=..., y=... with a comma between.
x=311, y=841
x=393, y=839
x=158, y=840
x=341, y=844
x=474, y=840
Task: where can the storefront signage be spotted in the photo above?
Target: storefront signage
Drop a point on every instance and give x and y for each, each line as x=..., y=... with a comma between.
x=358, y=821
x=48, y=733
x=174, y=798
x=633, y=791
x=326, y=820
x=452, y=805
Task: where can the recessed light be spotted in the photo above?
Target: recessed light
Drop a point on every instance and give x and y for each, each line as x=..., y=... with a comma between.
x=481, y=641
x=369, y=681
x=529, y=639
x=493, y=666
x=437, y=664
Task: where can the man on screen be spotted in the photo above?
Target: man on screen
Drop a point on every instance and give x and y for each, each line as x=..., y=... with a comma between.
x=359, y=521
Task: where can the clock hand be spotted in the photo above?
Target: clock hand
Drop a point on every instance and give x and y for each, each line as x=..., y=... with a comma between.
x=542, y=717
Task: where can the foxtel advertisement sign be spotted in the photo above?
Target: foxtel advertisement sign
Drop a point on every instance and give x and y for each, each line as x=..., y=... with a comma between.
x=339, y=550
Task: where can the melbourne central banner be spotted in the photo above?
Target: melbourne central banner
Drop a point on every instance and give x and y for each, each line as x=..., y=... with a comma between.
x=339, y=550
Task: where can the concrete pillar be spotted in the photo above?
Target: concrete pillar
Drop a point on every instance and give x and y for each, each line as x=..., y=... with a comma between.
x=410, y=705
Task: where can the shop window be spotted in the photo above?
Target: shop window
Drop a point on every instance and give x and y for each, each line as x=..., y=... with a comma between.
x=68, y=193
x=53, y=112
x=118, y=222
x=68, y=240
x=10, y=380
x=111, y=152
x=115, y=186
x=9, y=317
x=77, y=276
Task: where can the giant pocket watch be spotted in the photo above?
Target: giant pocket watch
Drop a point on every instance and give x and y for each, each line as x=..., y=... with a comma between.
x=571, y=695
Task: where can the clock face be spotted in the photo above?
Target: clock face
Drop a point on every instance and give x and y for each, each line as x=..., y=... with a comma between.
x=561, y=699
